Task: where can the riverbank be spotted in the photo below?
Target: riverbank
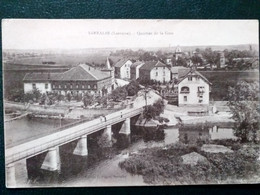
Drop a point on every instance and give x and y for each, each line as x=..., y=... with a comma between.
x=56, y=112
x=169, y=165
x=180, y=115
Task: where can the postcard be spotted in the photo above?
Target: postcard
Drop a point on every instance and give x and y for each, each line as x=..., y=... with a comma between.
x=109, y=102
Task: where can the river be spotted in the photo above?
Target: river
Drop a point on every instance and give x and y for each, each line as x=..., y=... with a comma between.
x=100, y=168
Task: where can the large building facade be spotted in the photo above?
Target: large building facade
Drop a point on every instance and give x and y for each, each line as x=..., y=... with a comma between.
x=80, y=79
x=193, y=89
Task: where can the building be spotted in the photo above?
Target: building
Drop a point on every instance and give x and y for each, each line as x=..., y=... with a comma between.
x=193, y=89
x=178, y=53
x=122, y=69
x=135, y=70
x=40, y=81
x=80, y=79
x=178, y=71
x=155, y=70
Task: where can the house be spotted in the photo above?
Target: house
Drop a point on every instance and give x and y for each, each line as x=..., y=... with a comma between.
x=122, y=69
x=155, y=70
x=135, y=70
x=80, y=79
x=193, y=89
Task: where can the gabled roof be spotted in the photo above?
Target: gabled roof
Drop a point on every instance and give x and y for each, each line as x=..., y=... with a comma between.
x=197, y=73
x=149, y=65
x=134, y=65
x=120, y=63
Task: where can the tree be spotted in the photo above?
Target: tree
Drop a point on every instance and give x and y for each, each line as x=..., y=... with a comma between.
x=16, y=94
x=147, y=57
x=151, y=111
x=181, y=62
x=243, y=103
x=212, y=57
x=33, y=95
x=119, y=93
x=132, y=88
x=196, y=60
x=88, y=99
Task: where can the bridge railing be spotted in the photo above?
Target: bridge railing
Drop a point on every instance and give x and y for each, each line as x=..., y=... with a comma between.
x=70, y=136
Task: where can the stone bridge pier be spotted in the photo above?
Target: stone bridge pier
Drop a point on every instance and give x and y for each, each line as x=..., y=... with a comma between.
x=82, y=147
x=125, y=129
x=52, y=160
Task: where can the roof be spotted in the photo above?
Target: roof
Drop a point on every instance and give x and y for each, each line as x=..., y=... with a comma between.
x=197, y=73
x=149, y=65
x=81, y=72
x=134, y=65
x=40, y=76
x=120, y=63
x=182, y=72
x=177, y=69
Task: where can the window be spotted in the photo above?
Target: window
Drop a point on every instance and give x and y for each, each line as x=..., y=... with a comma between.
x=65, y=86
x=189, y=78
x=185, y=98
x=83, y=86
x=163, y=73
x=53, y=86
x=59, y=86
x=46, y=85
x=88, y=86
x=71, y=86
x=185, y=90
x=95, y=86
x=34, y=86
x=156, y=74
x=77, y=86
x=201, y=89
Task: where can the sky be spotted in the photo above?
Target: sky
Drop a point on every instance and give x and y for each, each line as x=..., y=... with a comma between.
x=79, y=34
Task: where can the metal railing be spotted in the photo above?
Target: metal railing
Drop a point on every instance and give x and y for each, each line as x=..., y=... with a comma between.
x=71, y=136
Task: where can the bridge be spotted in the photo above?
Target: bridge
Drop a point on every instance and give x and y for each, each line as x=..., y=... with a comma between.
x=65, y=134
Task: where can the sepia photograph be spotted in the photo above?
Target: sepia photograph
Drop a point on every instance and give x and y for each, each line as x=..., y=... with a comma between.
x=130, y=102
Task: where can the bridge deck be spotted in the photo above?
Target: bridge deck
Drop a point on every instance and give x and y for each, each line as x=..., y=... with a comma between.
x=69, y=134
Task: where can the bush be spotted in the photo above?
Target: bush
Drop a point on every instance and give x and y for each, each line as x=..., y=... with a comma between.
x=151, y=111
x=165, y=166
